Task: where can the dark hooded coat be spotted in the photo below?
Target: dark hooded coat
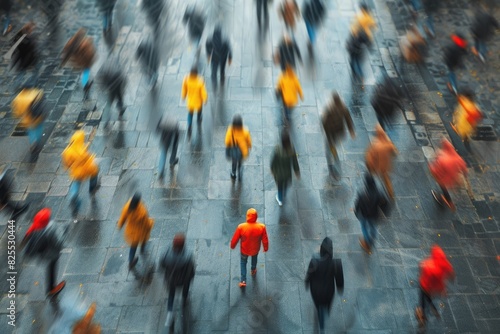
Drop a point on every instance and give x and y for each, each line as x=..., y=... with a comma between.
x=370, y=201
x=454, y=54
x=386, y=99
x=335, y=119
x=287, y=52
x=179, y=267
x=195, y=22
x=148, y=54
x=218, y=48
x=314, y=12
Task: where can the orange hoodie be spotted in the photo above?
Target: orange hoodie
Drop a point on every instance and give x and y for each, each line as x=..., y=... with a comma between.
x=434, y=271
x=251, y=233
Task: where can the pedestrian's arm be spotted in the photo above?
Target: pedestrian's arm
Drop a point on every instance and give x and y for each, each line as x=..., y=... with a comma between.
x=349, y=122
x=123, y=216
x=228, y=142
x=299, y=88
x=184, y=89
x=236, y=237
x=265, y=240
x=204, y=95
x=295, y=163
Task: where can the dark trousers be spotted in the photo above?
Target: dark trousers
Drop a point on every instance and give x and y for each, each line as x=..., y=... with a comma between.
x=116, y=94
x=171, y=140
x=171, y=295
x=322, y=311
x=51, y=275
x=262, y=6
x=446, y=194
x=426, y=299
x=215, y=66
x=236, y=165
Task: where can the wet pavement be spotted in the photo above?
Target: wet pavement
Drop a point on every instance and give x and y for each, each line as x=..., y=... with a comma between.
x=198, y=197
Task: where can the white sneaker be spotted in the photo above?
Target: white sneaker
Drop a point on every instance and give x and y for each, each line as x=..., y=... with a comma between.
x=280, y=203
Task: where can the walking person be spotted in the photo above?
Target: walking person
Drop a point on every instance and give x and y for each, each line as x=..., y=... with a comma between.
x=82, y=166
x=179, y=268
x=355, y=48
x=195, y=22
x=283, y=160
x=114, y=80
x=323, y=275
x=26, y=56
x=263, y=13
x=447, y=169
x=148, y=54
x=194, y=90
x=154, y=12
x=453, y=58
x=314, y=13
x=252, y=234
x=169, y=132
x=6, y=202
x=434, y=272
x=466, y=116
x=334, y=120
x=288, y=90
x=379, y=157
x=106, y=7
x=238, y=144
x=364, y=23
x=482, y=29
x=138, y=226
x=366, y=208
x=218, y=53
x=386, y=99
x=287, y=52
x=43, y=241
x=289, y=12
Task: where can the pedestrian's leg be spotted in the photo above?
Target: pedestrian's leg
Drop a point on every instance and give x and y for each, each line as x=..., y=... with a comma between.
x=6, y=24
x=131, y=256
x=110, y=18
x=259, y=12
x=234, y=163
x=214, y=73
x=144, y=247
x=321, y=316
x=482, y=50
x=185, y=291
x=120, y=105
x=388, y=184
x=105, y=21
x=38, y=134
x=430, y=25
x=51, y=275
x=244, y=260
x=190, y=120
x=223, y=73
x=253, y=264
x=171, y=297
x=198, y=119
x=73, y=191
x=173, y=154
x=238, y=167
x=364, y=230
x=161, y=163
x=266, y=14
x=85, y=77
x=453, y=80
x=31, y=136
x=372, y=230
x=423, y=298
x=93, y=183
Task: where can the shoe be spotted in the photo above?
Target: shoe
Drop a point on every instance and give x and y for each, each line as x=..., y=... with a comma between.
x=170, y=319
x=176, y=161
x=18, y=211
x=253, y=272
x=132, y=264
x=7, y=30
x=453, y=90
x=280, y=203
x=242, y=284
x=233, y=176
x=57, y=289
x=448, y=203
x=122, y=111
x=419, y=314
x=366, y=247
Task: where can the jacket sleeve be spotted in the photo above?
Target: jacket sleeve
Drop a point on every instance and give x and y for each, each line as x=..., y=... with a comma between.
x=123, y=216
x=236, y=237
x=339, y=275
x=265, y=240
x=229, y=138
x=248, y=139
x=310, y=269
x=295, y=162
x=184, y=89
x=348, y=119
x=299, y=88
x=204, y=95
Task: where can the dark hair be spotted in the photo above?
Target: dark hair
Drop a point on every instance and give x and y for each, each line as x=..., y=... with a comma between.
x=194, y=70
x=285, y=139
x=134, y=202
x=364, y=7
x=468, y=93
x=178, y=242
x=237, y=121
x=336, y=97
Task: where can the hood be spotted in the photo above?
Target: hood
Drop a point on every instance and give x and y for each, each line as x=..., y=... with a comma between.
x=447, y=146
x=251, y=215
x=326, y=248
x=78, y=138
x=40, y=221
x=437, y=254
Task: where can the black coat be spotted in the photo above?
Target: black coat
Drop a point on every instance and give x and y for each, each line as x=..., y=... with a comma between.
x=218, y=48
x=195, y=22
x=112, y=77
x=484, y=25
x=334, y=121
x=287, y=51
x=147, y=53
x=453, y=56
x=370, y=201
x=178, y=266
x=324, y=274
x=314, y=12
x=169, y=130
x=355, y=44
x=26, y=53
x=45, y=244
x=386, y=99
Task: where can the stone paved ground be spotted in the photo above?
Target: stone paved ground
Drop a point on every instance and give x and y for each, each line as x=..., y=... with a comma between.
x=198, y=197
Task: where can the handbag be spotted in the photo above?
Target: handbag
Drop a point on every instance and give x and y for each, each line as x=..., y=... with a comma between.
x=233, y=152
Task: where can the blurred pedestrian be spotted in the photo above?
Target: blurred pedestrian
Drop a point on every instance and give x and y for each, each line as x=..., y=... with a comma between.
x=434, y=272
x=289, y=12
x=288, y=90
x=466, y=116
x=148, y=54
x=195, y=22
x=364, y=23
x=287, y=51
x=179, y=267
x=335, y=118
x=26, y=55
x=73, y=318
x=114, y=80
x=16, y=208
x=106, y=7
x=314, y=12
x=154, y=10
x=29, y=105
x=81, y=165
x=252, y=234
x=52, y=9
x=355, y=48
x=413, y=46
x=193, y=89
x=366, y=208
x=169, y=132
x=43, y=241
x=386, y=99
x=284, y=158
x=138, y=226
x=323, y=275
x=218, y=53
x=238, y=144
x=86, y=325
x=5, y=6
x=447, y=169
x=482, y=29
x=263, y=13
x=453, y=58
x=81, y=51
x=426, y=17
x=379, y=156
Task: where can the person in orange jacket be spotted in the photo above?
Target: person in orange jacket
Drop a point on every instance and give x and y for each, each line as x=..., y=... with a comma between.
x=81, y=165
x=434, y=271
x=252, y=234
x=238, y=144
x=193, y=89
x=139, y=226
x=289, y=89
x=364, y=23
x=466, y=116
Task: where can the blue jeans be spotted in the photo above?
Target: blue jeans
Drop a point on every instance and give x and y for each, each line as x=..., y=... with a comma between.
x=107, y=19
x=322, y=310
x=356, y=67
x=85, y=76
x=35, y=134
x=75, y=187
x=311, y=31
x=244, y=260
x=480, y=47
x=163, y=153
x=453, y=79
x=190, y=118
x=369, y=230
x=282, y=187
x=133, y=249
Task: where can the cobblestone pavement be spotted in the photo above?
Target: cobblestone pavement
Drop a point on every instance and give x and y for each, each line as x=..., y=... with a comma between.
x=199, y=198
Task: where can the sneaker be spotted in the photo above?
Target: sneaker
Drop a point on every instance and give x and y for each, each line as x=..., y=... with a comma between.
x=132, y=264
x=233, y=176
x=366, y=247
x=57, y=289
x=449, y=203
x=242, y=284
x=280, y=203
x=253, y=272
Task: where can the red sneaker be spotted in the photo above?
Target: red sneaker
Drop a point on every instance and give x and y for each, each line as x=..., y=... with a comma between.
x=253, y=272
x=243, y=284
x=57, y=289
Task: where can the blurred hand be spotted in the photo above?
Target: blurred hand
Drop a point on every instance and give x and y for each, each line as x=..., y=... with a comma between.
x=353, y=135
x=230, y=61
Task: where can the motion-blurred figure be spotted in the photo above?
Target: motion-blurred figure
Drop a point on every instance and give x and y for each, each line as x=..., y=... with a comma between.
x=386, y=98
x=289, y=12
x=26, y=53
x=148, y=54
x=195, y=22
x=52, y=9
x=425, y=10
x=43, y=241
x=287, y=51
x=482, y=29
x=434, y=272
x=334, y=120
x=106, y=7
x=218, y=53
x=355, y=48
x=81, y=165
x=367, y=208
x=413, y=46
x=323, y=275
x=283, y=160
x=169, y=132
x=154, y=13
x=263, y=13
x=29, y=105
x=453, y=58
x=289, y=90
x=81, y=51
x=379, y=156
x=238, y=143
x=193, y=89
x=314, y=13
x=16, y=208
x=74, y=318
x=364, y=23
x=179, y=267
x=447, y=169
x=138, y=226
x=466, y=116
x=5, y=7
x=114, y=80
x=250, y=234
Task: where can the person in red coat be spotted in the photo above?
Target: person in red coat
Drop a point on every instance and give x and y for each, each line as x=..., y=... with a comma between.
x=434, y=271
x=252, y=234
x=447, y=169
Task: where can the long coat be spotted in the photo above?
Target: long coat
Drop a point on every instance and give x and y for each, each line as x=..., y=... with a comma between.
x=138, y=224
x=78, y=160
x=380, y=154
x=282, y=163
x=80, y=49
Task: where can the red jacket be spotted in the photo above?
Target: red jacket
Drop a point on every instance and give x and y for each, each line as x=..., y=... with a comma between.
x=448, y=166
x=434, y=271
x=251, y=233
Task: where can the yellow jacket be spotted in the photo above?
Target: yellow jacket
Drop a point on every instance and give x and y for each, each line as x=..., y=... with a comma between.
x=364, y=21
x=21, y=106
x=241, y=137
x=193, y=87
x=464, y=113
x=289, y=86
x=78, y=160
x=139, y=224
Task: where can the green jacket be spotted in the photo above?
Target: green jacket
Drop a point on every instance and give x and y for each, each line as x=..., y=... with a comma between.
x=282, y=162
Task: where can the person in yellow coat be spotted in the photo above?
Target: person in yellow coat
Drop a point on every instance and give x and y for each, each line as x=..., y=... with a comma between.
x=466, y=116
x=238, y=144
x=81, y=165
x=139, y=225
x=364, y=23
x=29, y=107
x=193, y=89
x=289, y=90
